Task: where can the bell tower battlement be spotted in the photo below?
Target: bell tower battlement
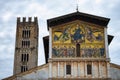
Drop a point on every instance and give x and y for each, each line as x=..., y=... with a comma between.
x=25, y=21
x=26, y=46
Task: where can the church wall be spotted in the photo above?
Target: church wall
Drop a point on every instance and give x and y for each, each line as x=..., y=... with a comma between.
x=104, y=69
x=54, y=69
x=82, y=69
x=95, y=70
x=75, y=69
x=61, y=69
x=79, y=69
x=63, y=45
x=41, y=74
x=115, y=73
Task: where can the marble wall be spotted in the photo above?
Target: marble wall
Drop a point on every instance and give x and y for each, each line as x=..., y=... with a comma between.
x=40, y=74
x=79, y=69
x=115, y=72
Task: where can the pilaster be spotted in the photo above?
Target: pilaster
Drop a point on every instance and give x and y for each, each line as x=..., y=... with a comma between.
x=64, y=69
x=72, y=68
x=99, y=70
x=108, y=69
x=78, y=69
x=50, y=69
x=106, y=43
x=50, y=43
x=92, y=70
x=58, y=69
x=85, y=71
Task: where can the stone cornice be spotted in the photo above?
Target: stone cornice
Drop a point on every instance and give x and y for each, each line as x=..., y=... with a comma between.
x=79, y=59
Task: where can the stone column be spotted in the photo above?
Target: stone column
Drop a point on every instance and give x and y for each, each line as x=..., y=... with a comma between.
x=58, y=69
x=65, y=70
x=72, y=68
x=106, y=43
x=92, y=70
x=108, y=69
x=78, y=69
x=50, y=69
x=99, y=67
x=85, y=70
x=50, y=43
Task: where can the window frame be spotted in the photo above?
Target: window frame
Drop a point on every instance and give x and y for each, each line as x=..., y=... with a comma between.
x=68, y=69
x=89, y=69
x=78, y=50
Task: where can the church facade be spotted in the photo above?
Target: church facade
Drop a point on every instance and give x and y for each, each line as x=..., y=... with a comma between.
x=76, y=49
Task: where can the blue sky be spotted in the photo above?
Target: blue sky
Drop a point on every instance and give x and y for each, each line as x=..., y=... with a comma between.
x=46, y=9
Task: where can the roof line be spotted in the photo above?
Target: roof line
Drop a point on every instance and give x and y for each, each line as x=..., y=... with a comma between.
x=23, y=73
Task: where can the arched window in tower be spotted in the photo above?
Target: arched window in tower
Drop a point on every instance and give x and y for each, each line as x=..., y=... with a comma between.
x=23, y=33
x=22, y=43
x=24, y=68
x=26, y=34
x=78, y=50
x=28, y=43
x=25, y=57
x=89, y=69
x=29, y=33
x=22, y=57
x=25, y=43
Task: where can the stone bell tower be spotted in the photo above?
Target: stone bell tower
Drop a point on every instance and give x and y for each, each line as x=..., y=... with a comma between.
x=26, y=46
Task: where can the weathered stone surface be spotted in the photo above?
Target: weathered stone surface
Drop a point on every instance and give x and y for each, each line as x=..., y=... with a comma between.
x=32, y=50
x=115, y=72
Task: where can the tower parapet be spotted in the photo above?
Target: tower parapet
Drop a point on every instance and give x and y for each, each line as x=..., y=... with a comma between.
x=18, y=19
x=29, y=19
x=24, y=20
x=35, y=20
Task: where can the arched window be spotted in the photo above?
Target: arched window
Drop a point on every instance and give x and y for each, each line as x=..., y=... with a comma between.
x=26, y=34
x=26, y=43
x=22, y=57
x=25, y=57
x=78, y=50
x=24, y=68
x=89, y=69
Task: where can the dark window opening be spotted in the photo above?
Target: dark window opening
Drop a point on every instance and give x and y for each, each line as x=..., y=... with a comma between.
x=89, y=69
x=26, y=34
x=24, y=68
x=25, y=57
x=68, y=69
x=22, y=57
x=78, y=50
x=21, y=68
x=26, y=44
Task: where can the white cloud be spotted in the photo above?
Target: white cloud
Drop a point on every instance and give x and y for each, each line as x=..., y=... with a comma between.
x=7, y=16
x=98, y=2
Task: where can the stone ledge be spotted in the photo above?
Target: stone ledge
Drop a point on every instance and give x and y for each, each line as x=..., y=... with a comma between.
x=79, y=79
x=79, y=59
